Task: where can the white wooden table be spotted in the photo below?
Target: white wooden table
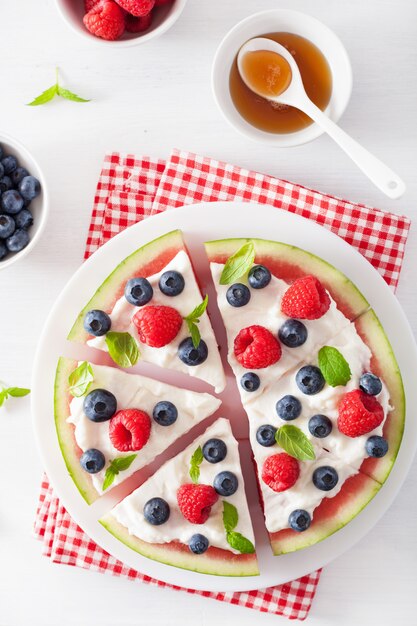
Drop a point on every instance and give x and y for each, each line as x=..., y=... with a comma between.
x=148, y=100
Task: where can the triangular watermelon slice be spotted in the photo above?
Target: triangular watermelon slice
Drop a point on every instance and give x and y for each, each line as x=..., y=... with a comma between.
x=184, y=353
x=77, y=433
x=220, y=545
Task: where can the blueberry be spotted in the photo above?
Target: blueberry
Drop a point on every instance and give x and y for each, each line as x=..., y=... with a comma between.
x=165, y=413
x=156, y=511
x=225, y=483
x=12, y=202
x=325, y=478
x=259, y=277
x=5, y=184
x=250, y=381
x=7, y=226
x=17, y=241
x=238, y=295
x=265, y=435
x=18, y=174
x=97, y=322
x=24, y=219
x=100, y=405
x=9, y=163
x=310, y=380
x=171, y=283
x=29, y=188
x=376, y=446
x=320, y=426
x=191, y=355
x=214, y=450
x=299, y=520
x=138, y=291
x=198, y=543
x=92, y=461
x=288, y=408
x=1, y=170
x=292, y=333
x=3, y=251
x=1, y=151
x=370, y=384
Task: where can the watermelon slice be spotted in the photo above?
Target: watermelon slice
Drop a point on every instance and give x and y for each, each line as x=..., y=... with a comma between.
x=77, y=433
x=355, y=332
x=151, y=261
x=228, y=528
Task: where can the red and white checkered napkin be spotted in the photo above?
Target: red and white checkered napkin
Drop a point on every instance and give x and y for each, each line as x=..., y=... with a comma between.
x=129, y=190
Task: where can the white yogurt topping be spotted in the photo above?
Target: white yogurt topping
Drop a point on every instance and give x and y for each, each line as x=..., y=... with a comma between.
x=264, y=309
x=211, y=370
x=133, y=391
x=165, y=483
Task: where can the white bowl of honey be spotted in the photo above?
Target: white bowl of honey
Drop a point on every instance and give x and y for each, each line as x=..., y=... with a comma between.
x=324, y=66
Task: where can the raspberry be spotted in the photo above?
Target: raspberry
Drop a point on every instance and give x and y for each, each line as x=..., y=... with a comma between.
x=305, y=299
x=157, y=325
x=280, y=471
x=195, y=502
x=159, y=3
x=256, y=347
x=129, y=429
x=138, y=8
x=106, y=20
x=90, y=4
x=359, y=414
x=138, y=24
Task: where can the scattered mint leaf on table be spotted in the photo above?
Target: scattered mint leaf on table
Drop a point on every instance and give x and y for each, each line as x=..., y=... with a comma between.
x=116, y=466
x=55, y=90
x=12, y=392
x=334, y=367
x=80, y=379
x=238, y=264
x=291, y=439
x=193, y=318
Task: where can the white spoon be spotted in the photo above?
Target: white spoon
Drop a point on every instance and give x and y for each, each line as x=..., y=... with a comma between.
x=294, y=95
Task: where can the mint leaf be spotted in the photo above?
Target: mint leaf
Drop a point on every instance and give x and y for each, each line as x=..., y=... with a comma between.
x=123, y=349
x=193, y=318
x=240, y=543
x=17, y=392
x=195, y=463
x=3, y=396
x=44, y=97
x=69, y=95
x=230, y=517
x=56, y=90
x=80, y=379
x=116, y=466
x=238, y=264
x=295, y=443
x=334, y=367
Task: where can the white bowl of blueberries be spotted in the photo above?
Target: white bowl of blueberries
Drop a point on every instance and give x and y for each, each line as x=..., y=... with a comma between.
x=23, y=201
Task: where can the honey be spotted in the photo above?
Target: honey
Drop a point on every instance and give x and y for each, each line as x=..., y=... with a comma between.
x=273, y=117
x=267, y=72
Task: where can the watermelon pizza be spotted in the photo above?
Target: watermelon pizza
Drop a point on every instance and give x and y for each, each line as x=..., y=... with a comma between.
x=111, y=423
x=192, y=513
x=318, y=380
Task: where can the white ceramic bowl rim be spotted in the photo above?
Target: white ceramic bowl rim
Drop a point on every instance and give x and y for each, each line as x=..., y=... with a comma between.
x=285, y=21
x=26, y=159
x=76, y=25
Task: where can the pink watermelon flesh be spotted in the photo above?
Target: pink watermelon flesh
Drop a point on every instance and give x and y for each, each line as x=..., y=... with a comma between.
x=289, y=262
x=145, y=261
x=215, y=561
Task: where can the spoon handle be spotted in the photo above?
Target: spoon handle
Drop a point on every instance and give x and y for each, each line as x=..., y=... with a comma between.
x=381, y=175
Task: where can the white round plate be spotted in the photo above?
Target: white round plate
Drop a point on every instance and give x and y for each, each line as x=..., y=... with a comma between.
x=201, y=223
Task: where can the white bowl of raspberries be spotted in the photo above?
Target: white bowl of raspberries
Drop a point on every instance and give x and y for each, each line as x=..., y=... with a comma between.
x=23, y=201
x=120, y=22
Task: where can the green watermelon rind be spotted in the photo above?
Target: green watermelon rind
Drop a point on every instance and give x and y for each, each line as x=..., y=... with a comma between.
x=180, y=556
x=65, y=432
x=288, y=541
x=348, y=297
x=384, y=364
x=137, y=263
